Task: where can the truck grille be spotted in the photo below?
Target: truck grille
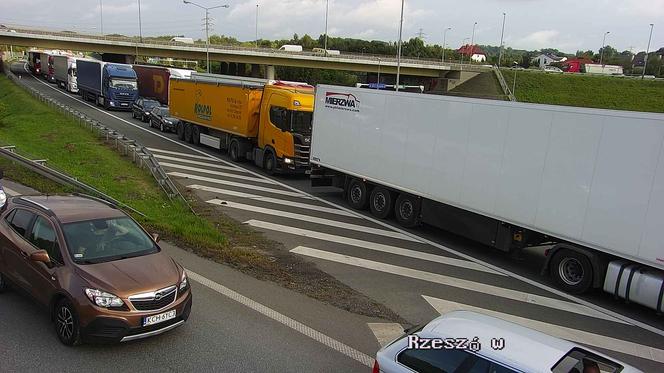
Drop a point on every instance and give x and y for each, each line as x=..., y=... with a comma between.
x=154, y=301
x=302, y=152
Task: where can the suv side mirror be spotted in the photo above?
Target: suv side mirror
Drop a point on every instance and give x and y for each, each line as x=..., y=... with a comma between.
x=155, y=237
x=40, y=256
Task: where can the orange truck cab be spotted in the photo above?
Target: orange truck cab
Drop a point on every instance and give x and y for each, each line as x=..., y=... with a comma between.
x=267, y=122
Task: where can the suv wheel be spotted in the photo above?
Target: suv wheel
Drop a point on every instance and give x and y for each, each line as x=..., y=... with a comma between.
x=66, y=323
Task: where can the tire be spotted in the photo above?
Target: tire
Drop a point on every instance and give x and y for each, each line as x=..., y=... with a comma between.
x=161, y=127
x=180, y=131
x=572, y=271
x=3, y=284
x=188, y=132
x=381, y=202
x=195, y=134
x=133, y=114
x=407, y=210
x=67, y=327
x=270, y=162
x=234, y=151
x=357, y=194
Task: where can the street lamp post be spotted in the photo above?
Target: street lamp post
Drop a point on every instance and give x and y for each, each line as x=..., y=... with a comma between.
x=472, y=43
x=378, y=79
x=327, y=10
x=399, y=47
x=207, y=27
x=256, y=25
x=444, y=41
x=502, y=33
x=101, y=16
x=140, y=25
x=601, y=55
x=645, y=58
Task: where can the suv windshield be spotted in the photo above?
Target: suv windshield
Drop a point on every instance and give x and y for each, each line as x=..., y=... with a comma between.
x=104, y=240
x=123, y=84
x=301, y=122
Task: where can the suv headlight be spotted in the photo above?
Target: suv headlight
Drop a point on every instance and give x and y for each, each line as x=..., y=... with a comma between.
x=103, y=299
x=184, y=282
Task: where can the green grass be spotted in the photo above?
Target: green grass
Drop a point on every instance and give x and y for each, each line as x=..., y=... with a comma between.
x=587, y=91
x=38, y=130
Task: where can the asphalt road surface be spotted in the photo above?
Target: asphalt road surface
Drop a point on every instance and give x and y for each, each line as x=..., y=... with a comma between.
x=418, y=274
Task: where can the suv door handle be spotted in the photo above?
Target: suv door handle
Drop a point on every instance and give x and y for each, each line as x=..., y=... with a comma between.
x=24, y=254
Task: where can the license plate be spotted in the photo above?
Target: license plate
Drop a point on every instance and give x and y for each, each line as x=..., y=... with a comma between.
x=156, y=319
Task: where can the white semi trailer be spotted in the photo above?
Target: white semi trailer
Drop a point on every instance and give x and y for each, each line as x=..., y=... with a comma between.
x=588, y=182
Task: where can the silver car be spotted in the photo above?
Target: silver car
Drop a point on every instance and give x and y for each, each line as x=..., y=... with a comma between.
x=464, y=341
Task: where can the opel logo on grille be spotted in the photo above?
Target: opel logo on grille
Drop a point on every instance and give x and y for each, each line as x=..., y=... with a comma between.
x=157, y=296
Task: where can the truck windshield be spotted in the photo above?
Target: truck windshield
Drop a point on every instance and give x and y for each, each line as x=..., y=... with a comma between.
x=123, y=84
x=104, y=240
x=301, y=122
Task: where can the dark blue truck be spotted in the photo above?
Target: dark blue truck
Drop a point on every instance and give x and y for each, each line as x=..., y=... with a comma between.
x=110, y=85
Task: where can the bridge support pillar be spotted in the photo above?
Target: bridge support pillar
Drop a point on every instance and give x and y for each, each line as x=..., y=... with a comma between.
x=232, y=68
x=223, y=68
x=255, y=71
x=269, y=72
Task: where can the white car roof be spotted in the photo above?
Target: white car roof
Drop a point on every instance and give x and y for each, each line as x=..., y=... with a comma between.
x=525, y=349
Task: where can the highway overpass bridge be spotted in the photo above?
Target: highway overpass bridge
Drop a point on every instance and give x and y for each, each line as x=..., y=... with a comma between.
x=450, y=73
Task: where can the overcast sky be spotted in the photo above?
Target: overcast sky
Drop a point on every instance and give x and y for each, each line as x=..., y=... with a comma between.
x=568, y=25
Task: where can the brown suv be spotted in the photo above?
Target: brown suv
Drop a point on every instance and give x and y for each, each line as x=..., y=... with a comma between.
x=102, y=277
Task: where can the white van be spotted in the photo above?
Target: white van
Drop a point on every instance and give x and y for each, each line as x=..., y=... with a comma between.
x=182, y=40
x=323, y=52
x=291, y=48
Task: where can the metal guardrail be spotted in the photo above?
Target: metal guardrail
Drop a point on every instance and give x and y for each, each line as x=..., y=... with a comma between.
x=127, y=147
x=38, y=166
x=503, y=84
x=216, y=48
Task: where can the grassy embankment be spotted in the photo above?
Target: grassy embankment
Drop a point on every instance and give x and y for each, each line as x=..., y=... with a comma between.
x=42, y=132
x=587, y=91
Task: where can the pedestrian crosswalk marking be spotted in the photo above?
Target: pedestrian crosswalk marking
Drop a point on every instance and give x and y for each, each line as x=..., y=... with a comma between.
x=239, y=185
x=216, y=173
x=455, y=282
x=372, y=246
x=198, y=163
x=313, y=219
x=575, y=335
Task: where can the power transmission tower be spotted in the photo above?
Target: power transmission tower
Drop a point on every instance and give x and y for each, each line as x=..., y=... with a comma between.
x=421, y=35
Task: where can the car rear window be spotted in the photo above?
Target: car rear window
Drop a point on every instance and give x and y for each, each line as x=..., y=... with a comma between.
x=448, y=361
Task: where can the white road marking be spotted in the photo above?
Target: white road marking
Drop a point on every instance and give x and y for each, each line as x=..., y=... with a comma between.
x=157, y=150
x=239, y=185
x=371, y=246
x=255, y=197
x=198, y=163
x=10, y=192
x=479, y=287
x=311, y=219
x=579, y=336
x=283, y=319
x=521, y=278
x=216, y=173
x=385, y=332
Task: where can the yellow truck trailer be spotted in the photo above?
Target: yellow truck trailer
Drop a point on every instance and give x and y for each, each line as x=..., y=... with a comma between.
x=265, y=122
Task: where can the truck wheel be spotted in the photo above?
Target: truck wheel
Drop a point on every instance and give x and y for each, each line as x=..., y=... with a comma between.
x=234, y=151
x=381, y=202
x=270, y=163
x=357, y=194
x=195, y=134
x=188, y=132
x=571, y=271
x=180, y=131
x=407, y=210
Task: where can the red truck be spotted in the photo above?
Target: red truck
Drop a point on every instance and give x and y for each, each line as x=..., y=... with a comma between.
x=153, y=81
